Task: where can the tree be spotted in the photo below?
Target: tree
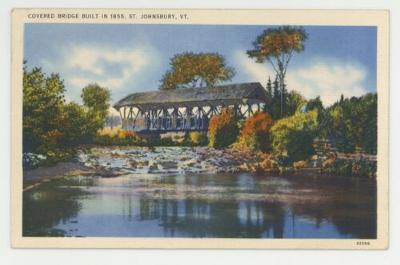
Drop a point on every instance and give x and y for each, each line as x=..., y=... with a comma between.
x=269, y=88
x=270, y=93
x=292, y=137
x=255, y=132
x=97, y=101
x=370, y=123
x=341, y=130
x=323, y=116
x=315, y=103
x=277, y=46
x=273, y=108
x=43, y=99
x=352, y=123
x=189, y=70
x=223, y=129
x=294, y=102
x=74, y=125
x=96, y=98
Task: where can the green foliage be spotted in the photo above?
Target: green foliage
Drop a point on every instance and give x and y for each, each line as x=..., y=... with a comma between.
x=196, y=70
x=315, y=103
x=196, y=139
x=168, y=141
x=360, y=168
x=43, y=100
x=273, y=92
x=277, y=46
x=75, y=125
x=223, y=129
x=47, y=157
x=255, y=132
x=353, y=122
x=51, y=127
x=97, y=101
x=120, y=137
x=292, y=137
x=96, y=98
x=292, y=101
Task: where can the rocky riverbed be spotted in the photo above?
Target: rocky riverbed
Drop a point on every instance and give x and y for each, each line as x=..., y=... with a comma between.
x=158, y=160
x=108, y=162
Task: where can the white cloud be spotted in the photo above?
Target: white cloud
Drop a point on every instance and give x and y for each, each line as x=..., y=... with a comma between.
x=90, y=64
x=257, y=71
x=325, y=77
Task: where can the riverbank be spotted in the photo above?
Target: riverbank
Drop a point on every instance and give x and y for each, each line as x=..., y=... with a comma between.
x=34, y=177
x=114, y=161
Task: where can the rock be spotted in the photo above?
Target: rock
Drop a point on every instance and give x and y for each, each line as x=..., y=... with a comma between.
x=110, y=174
x=266, y=164
x=153, y=166
x=244, y=167
x=190, y=163
x=328, y=162
x=169, y=164
x=133, y=163
x=299, y=164
x=142, y=163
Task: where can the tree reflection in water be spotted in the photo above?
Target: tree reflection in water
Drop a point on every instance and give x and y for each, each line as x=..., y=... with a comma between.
x=49, y=205
x=351, y=208
x=219, y=205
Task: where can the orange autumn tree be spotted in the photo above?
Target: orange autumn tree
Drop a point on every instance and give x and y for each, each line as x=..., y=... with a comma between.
x=255, y=132
x=190, y=70
x=277, y=46
x=223, y=129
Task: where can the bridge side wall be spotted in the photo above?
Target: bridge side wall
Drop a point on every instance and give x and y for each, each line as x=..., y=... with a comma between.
x=137, y=119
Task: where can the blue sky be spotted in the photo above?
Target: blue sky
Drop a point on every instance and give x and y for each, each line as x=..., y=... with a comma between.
x=132, y=58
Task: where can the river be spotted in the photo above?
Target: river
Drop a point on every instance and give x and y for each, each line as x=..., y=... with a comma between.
x=182, y=192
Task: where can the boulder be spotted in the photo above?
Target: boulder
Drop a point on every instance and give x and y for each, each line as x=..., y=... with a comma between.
x=299, y=164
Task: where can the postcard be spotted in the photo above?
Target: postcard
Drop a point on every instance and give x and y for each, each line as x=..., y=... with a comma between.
x=168, y=128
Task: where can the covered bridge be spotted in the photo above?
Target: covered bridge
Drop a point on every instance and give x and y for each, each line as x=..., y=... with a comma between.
x=190, y=108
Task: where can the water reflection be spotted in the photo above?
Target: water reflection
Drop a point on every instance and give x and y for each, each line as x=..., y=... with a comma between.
x=210, y=205
x=50, y=205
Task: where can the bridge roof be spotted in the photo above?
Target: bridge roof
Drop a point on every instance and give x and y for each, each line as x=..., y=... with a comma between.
x=249, y=93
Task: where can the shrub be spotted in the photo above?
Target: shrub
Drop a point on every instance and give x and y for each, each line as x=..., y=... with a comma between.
x=166, y=141
x=118, y=137
x=293, y=137
x=360, y=168
x=31, y=160
x=197, y=138
x=47, y=158
x=268, y=164
x=255, y=132
x=223, y=129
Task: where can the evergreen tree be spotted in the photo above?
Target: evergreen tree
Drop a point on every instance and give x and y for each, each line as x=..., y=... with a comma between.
x=277, y=46
x=276, y=97
x=269, y=87
x=268, y=107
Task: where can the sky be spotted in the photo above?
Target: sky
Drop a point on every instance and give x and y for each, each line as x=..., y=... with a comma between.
x=132, y=58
